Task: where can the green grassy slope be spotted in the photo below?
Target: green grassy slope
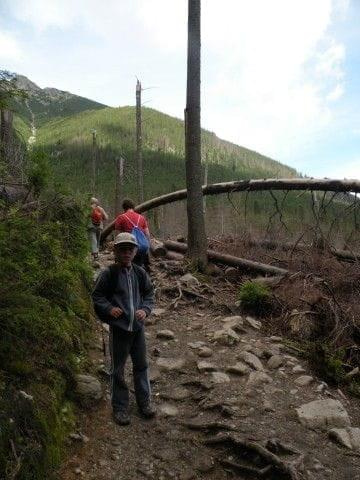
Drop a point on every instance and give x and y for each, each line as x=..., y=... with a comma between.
x=69, y=142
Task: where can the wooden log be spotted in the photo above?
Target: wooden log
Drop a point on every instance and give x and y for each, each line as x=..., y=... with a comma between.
x=174, y=256
x=230, y=260
x=157, y=248
x=272, y=245
x=310, y=184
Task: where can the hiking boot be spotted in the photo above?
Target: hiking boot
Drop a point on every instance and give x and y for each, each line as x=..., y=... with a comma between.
x=121, y=417
x=147, y=410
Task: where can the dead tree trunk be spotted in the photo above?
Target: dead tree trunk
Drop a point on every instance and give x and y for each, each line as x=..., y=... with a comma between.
x=119, y=184
x=323, y=185
x=196, y=222
x=139, y=160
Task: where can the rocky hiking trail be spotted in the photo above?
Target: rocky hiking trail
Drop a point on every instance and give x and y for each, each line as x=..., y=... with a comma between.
x=233, y=400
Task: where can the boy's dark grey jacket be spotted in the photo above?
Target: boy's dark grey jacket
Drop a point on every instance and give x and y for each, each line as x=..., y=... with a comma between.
x=127, y=288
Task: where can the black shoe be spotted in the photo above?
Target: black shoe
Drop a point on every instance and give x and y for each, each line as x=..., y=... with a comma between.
x=121, y=417
x=147, y=410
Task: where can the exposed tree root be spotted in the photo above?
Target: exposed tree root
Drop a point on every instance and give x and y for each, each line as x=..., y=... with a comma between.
x=240, y=446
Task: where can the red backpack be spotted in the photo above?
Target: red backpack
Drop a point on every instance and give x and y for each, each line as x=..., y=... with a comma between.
x=96, y=216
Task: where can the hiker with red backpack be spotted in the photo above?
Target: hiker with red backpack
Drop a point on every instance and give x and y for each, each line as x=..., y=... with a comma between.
x=136, y=224
x=96, y=225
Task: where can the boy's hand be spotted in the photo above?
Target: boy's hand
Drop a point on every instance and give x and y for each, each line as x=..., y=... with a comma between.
x=140, y=315
x=116, y=312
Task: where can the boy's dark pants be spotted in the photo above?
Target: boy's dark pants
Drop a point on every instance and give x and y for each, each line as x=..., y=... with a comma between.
x=123, y=344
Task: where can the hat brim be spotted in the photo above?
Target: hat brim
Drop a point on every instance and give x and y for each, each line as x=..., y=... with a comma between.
x=125, y=244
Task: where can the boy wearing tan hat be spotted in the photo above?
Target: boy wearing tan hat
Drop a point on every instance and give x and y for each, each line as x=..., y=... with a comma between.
x=123, y=297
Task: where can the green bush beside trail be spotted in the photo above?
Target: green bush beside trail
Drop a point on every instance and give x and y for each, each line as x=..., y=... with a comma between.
x=45, y=325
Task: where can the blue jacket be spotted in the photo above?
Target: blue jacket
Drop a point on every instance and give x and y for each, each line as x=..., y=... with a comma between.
x=127, y=288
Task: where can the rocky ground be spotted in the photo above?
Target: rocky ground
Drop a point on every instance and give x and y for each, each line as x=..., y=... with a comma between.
x=232, y=401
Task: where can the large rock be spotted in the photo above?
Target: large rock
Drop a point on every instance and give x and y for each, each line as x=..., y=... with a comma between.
x=251, y=360
x=170, y=364
x=227, y=336
x=88, y=389
x=324, y=414
x=348, y=437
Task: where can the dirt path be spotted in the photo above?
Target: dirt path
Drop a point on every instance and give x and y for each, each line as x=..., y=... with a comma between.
x=250, y=385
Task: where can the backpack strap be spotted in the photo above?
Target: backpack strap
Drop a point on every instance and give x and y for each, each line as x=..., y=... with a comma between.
x=132, y=223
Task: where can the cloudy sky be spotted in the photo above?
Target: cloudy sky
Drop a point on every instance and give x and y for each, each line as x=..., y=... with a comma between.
x=278, y=76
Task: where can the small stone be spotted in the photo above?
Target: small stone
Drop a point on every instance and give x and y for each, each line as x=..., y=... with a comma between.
x=157, y=312
x=256, y=324
x=321, y=387
x=226, y=336
x=298, y=369
x=196, y=345
x=189, y=279
x=275, y=339
x=251, y=360
x=348, y=437
x=170, y=364
x=353, y=373
x=177, y=393
x=304, y=380
x=257, y=378
x=220, y=377
x=238, y=369
x=204, y=352
x=165, y=334
x=268, y=407
x=204, y=464
x=275, y=362
x=204, y=366
x=168, y=410
x=88, y=389
x=25, y=395
x=323, y=414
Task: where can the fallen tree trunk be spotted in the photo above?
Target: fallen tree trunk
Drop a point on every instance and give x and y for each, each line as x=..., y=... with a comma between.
x=310, y=184
x=230, y=260
x=157, y=248
x=174, y=256
x=272, y=245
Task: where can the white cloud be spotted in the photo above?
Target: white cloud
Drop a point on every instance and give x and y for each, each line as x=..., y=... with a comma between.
x=271, y=70
x=9, y=47
x=336, y=93
x=349, y=170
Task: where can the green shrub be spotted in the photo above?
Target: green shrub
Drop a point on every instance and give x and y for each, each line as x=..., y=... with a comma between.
x=254, y=296
x=45, y=323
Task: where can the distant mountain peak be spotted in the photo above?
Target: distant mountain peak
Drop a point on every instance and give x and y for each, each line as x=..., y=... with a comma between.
x=26, y=84
x=46, y=103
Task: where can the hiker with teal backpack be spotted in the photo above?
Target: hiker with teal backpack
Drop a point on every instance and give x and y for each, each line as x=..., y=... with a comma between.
x=123, y=297
x=96, y=225
x=136, y=224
